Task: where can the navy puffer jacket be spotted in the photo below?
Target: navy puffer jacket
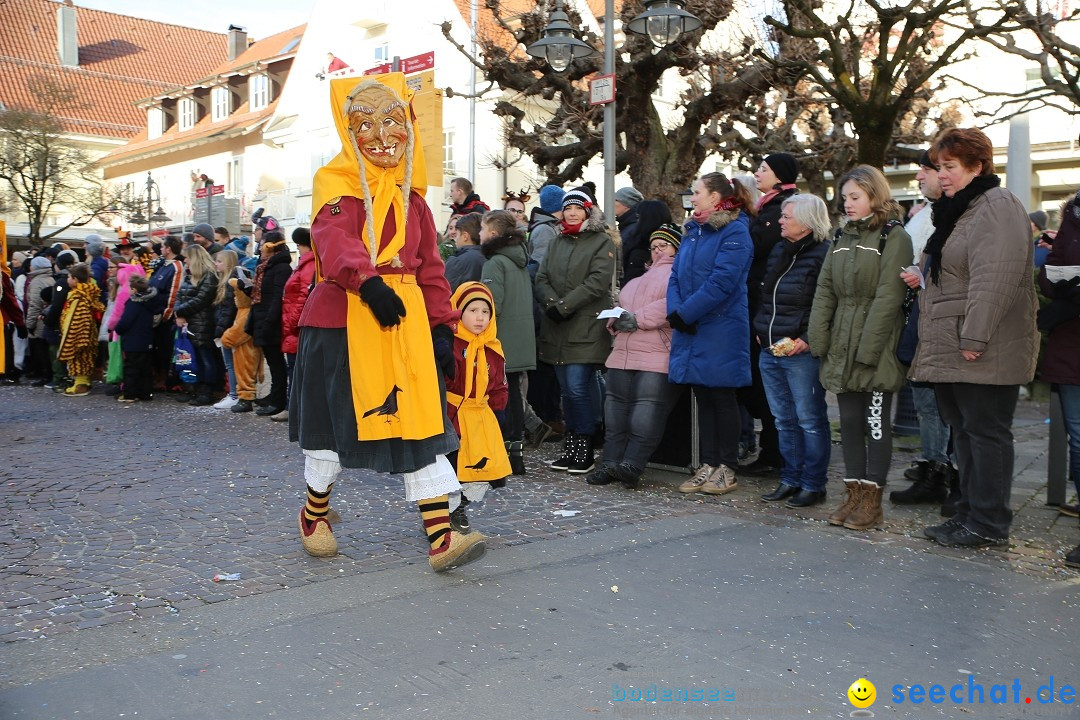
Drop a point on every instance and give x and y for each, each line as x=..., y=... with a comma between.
x=787, y=292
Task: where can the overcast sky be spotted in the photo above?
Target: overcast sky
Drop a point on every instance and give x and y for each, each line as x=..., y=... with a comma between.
x=261, y=17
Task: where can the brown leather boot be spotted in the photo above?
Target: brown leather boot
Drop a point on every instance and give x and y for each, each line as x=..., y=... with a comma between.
x=867, y=514
x=841, y=513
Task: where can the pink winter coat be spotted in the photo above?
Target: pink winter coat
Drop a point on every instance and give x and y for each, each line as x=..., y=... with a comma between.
x=123, y=291
x=648, y=347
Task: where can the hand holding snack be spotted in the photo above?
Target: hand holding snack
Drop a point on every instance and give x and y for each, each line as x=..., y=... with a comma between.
x=782, y=347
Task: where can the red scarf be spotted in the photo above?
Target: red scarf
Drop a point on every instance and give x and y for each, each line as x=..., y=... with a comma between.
x=777, y=189
x=726, y=205
x=569, y=229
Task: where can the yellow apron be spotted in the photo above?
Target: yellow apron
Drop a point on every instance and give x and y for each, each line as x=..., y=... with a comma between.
x=482, y=456
x=395, y=388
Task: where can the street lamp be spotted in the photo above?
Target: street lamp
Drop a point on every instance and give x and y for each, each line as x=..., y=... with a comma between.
x=663, y=21
x=558, y=45
x=153, y=197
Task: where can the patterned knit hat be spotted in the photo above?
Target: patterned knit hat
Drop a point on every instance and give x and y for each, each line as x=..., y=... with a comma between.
x=467, y=292
x=578, y=196
x=669, y=233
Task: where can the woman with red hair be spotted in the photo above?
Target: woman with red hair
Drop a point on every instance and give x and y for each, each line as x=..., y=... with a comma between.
x=977, y=336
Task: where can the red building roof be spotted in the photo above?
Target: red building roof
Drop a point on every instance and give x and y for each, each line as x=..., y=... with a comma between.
x=121, y=60
x=241, y=121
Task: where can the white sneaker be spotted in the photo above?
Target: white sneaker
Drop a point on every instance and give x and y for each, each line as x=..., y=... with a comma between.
x=226, y=402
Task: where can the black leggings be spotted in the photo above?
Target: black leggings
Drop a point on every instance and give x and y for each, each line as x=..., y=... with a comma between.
x=279, y=376
x=512, y=419
x=866, y=434
x=719, y=425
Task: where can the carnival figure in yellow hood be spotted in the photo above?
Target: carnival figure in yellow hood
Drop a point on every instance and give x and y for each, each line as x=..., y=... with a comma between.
x=376, y=332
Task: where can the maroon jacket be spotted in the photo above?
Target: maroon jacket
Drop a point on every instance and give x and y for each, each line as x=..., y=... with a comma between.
x=1061, y=361
x=9, y=306
x=339, y=240
x=297, y=288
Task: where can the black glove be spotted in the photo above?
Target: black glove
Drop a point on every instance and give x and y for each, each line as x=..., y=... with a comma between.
x=383, y=301
x=1068, y=289
x=676, y=321
x=20, y=330
x=627, y=322
x=442, y=339
x=554, y=314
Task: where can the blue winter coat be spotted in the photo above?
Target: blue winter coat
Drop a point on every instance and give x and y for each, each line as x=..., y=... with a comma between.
x=708, y=289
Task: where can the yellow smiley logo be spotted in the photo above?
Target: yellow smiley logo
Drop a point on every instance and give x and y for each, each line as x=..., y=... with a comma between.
x=862, y=693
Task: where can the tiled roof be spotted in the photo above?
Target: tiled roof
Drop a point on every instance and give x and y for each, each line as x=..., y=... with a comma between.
x=488, y=27
x=121, y=59
x=286, y=42
x=279, y=46
x=240, y=122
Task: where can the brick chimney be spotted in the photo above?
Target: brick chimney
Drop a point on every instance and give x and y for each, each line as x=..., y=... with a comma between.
x=237, y=41
x=67, y=36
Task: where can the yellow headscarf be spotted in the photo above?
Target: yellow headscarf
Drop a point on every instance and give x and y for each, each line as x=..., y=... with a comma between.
x=474, y=353
x=389, y=187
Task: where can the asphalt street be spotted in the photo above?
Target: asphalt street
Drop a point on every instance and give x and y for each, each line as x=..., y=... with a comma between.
x=119, y=517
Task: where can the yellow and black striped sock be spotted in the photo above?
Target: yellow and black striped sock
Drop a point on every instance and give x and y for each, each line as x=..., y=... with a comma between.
x=317, y=504
x=436, y=515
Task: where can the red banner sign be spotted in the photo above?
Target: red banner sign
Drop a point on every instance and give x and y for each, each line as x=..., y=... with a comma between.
x=418, y=63
x=414, y=64
x=215, y=190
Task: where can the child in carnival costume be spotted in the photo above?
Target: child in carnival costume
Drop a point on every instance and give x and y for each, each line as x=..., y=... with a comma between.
x=366, y=389
x=79, y=328
x=477, y=389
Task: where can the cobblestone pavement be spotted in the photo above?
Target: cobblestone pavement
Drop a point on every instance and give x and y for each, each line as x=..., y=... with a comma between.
x=120, y=512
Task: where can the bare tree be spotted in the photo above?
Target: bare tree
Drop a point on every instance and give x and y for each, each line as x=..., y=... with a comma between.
x=548, y=117
x=43, y=169
x=1057, y=59
x=880, y=64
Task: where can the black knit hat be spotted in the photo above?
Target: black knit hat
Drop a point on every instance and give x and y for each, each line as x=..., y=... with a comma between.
x=925, y=161
x=301, y=236
x=785, y=166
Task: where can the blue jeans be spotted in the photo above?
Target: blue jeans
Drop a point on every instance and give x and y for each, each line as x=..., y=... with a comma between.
x=636, y=409
x=582, y=403
x=933, y=433
x=1070, y=409
x=226, y=355
x=797, y=401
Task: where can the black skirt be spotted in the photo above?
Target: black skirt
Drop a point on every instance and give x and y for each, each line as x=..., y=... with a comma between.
x=322, y=417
